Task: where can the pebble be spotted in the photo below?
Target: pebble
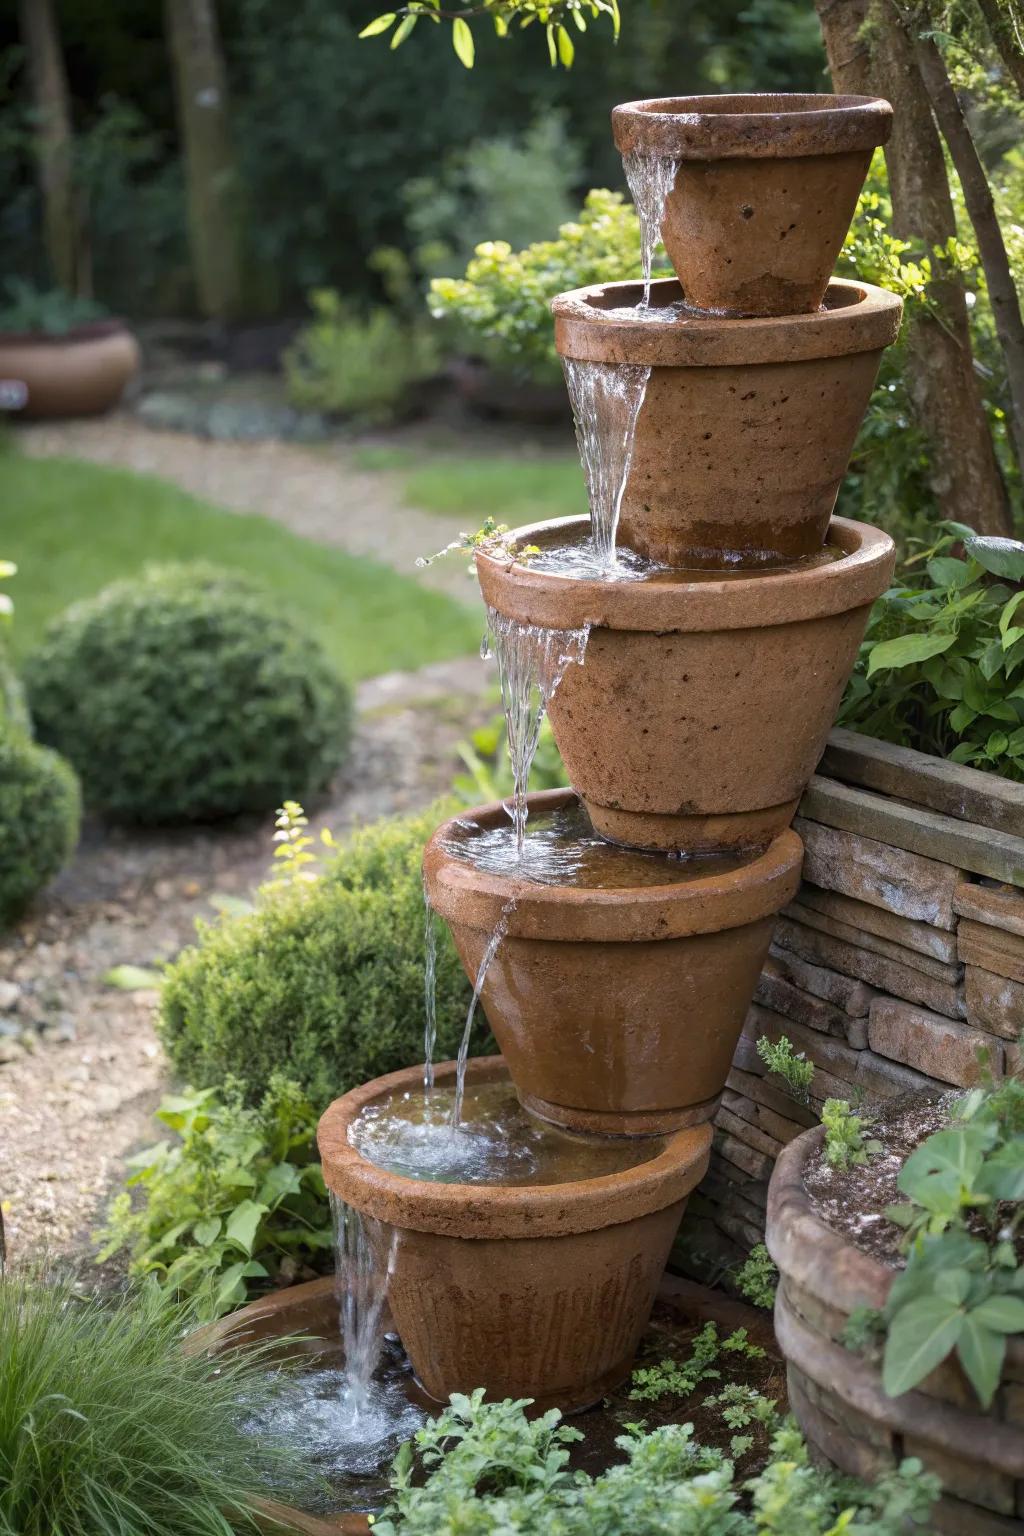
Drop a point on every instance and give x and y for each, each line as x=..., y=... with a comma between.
x=10, y=1050
x=10, y=992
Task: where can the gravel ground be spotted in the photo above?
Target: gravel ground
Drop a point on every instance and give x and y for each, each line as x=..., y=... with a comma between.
x=80, y=1067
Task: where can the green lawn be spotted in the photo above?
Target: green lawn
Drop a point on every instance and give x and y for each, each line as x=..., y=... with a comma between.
x=73, y=527
x=512, y=490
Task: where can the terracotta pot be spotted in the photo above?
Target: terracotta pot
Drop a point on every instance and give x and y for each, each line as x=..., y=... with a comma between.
x=616, y=1009
x=746, y=426
x=80, y=374
x=702, y=706
x=764, y=191
x=536, y=1291
x=837, y=1396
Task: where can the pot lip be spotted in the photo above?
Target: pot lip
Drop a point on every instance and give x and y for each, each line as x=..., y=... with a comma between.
x=93, y=330
x=854, y=317
x=721, y=900
x=731, y=603
x=476, y=1211
x=762, y=126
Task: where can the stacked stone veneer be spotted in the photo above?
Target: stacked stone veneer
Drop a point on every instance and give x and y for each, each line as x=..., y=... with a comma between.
x=900, y=961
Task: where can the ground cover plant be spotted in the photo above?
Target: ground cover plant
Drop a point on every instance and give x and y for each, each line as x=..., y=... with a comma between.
x=73, y=528
x=353, y=364
x=108, y=1426
x=234, y=1205
x=185, y=693
x=324, y=980
x=941, y=668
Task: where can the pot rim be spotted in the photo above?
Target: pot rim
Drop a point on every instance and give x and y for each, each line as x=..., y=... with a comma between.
x=93, y=330
x=758, y=888
x=751, y=600
x=854, y=317
x=752, y=126
x=475, y=1211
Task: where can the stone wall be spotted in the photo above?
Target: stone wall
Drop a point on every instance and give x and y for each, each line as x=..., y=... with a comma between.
x=900, y=962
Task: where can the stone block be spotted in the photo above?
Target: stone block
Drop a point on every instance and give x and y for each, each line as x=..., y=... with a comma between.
x=914, y=887
x=860, y=938
x=929, y=1043
x=783, y=1129
x=756, y=1164
x=995, y=950
x=838, y=1069
x=887, y=975
x=963, y=1478
x=766, y=1096
x=920, y=938
x=998, y=905
x=743, y=1131
x=775, y=991
x=853, y=997
x=994, y=1003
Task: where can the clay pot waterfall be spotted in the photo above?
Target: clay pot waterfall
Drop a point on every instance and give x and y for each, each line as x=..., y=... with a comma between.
x=617, y=1009
x=746, y=427
x=763, y=192
x=704, y=699
x=538, y=1291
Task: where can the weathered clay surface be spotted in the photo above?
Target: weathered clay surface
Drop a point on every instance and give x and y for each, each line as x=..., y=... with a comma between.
x=746, y=426
x=615, y=1009
x=764, y=191
x=538, y=1292
x=701, y=708
x=837, y=1396
x=80, y=374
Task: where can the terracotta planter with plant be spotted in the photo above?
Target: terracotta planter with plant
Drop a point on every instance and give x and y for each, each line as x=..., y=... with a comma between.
x=80, y=372
x=703, y=703
x=763, y=191
x=889, y=1358
x=746, y=427
x=537, y=1291
x=616, y=1009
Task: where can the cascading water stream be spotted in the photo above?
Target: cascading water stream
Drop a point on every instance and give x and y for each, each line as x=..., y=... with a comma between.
x=606, y=399
x=364, y=1260
x=429, y=991
x=650, y=179
x=500, y=930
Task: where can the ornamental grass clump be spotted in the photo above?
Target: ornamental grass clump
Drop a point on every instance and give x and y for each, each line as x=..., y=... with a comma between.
x=185, y=694
x=108, y=1427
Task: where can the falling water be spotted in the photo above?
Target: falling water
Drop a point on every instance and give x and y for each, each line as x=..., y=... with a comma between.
x=531, y=663
x=650, y=179
x=606, y=400
x=364, y=1260
x=500, y=930
x=429, y=991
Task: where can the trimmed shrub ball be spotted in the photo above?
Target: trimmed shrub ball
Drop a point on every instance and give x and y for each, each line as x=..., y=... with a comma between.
x=40, y=809
x=324, y=981
x=185, y=694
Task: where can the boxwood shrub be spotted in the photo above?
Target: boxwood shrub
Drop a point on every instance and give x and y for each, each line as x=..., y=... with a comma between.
x=183, y=694
x=40, y=809
x=324, y=981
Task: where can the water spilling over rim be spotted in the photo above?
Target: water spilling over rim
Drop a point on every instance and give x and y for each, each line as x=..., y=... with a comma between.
x=650, y=178
x=606, y=401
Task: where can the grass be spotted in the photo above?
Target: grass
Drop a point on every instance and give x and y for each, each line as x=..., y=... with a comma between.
x=511, y=490
x=73, y=527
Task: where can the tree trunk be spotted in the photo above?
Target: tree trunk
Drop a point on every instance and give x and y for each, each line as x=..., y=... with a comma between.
x=1002, y=290
x=54, y=144
x=1005, y=38
x=869, y=53
x=210, y=173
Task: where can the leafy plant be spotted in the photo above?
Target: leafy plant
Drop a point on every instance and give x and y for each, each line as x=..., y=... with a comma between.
x=235, y=1204
x=52, y=311
x=674, y=1378
x=742, y=1405
x=757, y=1278
x=485, y=1469
x=183, y=694
x=40, y=811
x=108, y=1425
x=355, y=364
x=491, y=536
x=963, y=1286
x=791, y=1066
x=845, y=1146
x=553, y=14
x=942, y=666
x=488, y=774
x=324, y=980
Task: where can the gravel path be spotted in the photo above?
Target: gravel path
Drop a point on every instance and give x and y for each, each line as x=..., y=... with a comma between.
x=318, y=492
x=80, y=1067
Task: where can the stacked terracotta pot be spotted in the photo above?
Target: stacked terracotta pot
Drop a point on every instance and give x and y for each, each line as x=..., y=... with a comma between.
x=691, y=728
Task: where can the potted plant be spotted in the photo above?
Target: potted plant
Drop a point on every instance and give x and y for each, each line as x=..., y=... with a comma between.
x=61, y=355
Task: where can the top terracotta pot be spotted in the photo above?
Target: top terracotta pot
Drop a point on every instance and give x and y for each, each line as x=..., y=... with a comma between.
x=764, y=190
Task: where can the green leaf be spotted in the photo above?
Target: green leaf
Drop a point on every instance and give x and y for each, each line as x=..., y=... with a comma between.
x=207, y=1232
x=1002, y=557
x=1003, y=1314
x=566, y=48
x=921, y=1335
x=997, y=744
x=134, y=978
x=230, y=906
x=948, y=572
x=243, y=1224
x=402, y=31
x=981, y=1351
x=552, y=46
x=380, y=24
x=953, y=1285
x=905, y=650
x=281, y=1180
x=462, y=42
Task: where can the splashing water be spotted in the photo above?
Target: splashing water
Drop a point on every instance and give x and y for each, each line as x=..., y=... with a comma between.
x=429, y=991
x=606, y=400
x=365, y=1252
x=500, y=930
x=650, y=179
x=531, y=663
